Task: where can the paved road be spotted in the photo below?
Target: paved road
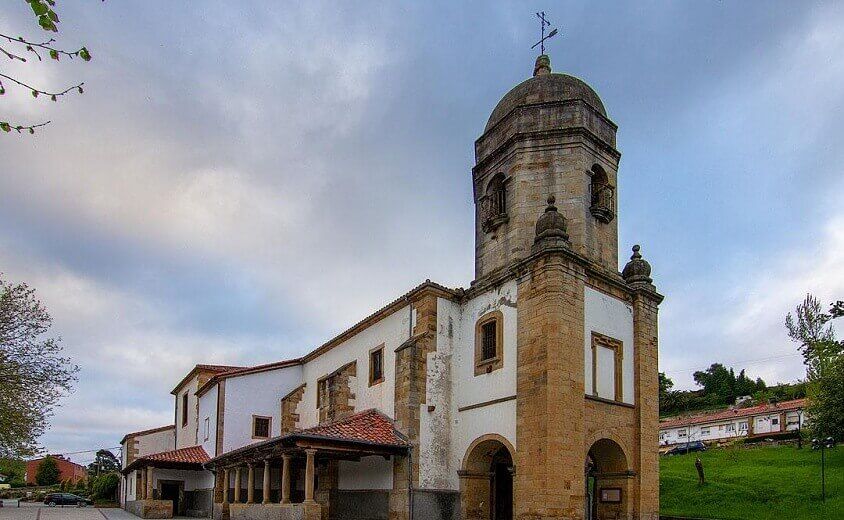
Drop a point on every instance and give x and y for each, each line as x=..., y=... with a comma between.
x=41, y=512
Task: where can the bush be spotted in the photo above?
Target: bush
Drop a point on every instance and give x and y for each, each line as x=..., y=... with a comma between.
x=105, y=486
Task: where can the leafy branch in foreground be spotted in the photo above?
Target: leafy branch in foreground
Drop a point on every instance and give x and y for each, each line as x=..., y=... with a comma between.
x=18, y=48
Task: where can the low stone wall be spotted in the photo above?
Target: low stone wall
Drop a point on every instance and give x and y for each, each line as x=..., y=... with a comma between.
x=275, y=511
x=150, y=508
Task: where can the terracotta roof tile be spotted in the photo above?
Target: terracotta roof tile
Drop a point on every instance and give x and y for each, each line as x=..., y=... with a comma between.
x=370, y=426
x=191, y=455
x=724, y=415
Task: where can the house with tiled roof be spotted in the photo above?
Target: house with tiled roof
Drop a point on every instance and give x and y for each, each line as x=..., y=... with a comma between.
x=533, y=393
x=765, y=420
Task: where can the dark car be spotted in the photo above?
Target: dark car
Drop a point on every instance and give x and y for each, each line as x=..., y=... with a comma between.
x=687, y=447
x=66, y=499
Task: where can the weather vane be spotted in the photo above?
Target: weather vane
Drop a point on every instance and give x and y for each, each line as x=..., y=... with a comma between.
x=545, y=23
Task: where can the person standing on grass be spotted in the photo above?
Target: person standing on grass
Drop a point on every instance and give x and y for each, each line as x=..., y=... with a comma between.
x=699, y=466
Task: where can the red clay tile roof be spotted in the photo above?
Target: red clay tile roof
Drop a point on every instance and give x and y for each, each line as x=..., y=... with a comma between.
x=370, y=426
x=147, y=432
x=192, y=455
x=186, y=458
x=724, y=415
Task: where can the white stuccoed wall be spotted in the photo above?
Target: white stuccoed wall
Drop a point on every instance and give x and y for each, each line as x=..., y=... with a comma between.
x=193, y=479
x=392, y=331
x=155, y=443
x=186, y=435
x=466, y=389
x=611, y=317
x=208, y=410
x=255, y=394
x=369, y=473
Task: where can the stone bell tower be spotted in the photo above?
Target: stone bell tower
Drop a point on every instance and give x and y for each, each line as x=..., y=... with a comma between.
x=550, y=135
x=586, y=371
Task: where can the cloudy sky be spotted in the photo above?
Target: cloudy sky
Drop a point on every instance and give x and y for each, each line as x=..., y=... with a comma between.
x=240, y=182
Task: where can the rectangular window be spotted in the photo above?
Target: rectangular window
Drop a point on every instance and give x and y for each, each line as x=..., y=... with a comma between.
x=376, y=366
x=704, y=431
x=731, y=427
x=607, y=356
x=207, y=428
x=261, y=427
x=489, y=343
x=681, y=433
x=185, y=409
x=742, y=426
x=775, y=421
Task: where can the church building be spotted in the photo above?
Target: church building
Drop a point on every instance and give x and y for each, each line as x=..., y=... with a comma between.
x=532, y=394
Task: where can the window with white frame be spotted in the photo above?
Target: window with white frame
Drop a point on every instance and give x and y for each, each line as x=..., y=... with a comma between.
x=742, y=426
x=731, y=428
x=681, y=433
x=704, y=430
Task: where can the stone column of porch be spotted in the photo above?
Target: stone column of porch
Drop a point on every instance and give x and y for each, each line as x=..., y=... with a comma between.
x=309, y=477
x=142, y=493
x=226, y=486
x=250, y=484
x=237, y=485
x=285, y=479
x=266, y=491
x=149, y=493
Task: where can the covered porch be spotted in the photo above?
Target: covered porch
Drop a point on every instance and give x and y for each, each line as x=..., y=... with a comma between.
x=298, y=475
x=168, y=484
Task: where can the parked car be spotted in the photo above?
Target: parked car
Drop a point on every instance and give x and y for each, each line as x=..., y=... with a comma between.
x=687, y=447
x=67, y=499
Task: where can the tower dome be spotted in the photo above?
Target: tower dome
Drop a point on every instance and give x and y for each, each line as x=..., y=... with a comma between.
x=545, y=87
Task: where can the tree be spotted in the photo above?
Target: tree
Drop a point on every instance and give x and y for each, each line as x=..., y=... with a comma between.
x=33, y=374
x=104, y=462
x=823, y=356
x=48, y=472
x=18, y=48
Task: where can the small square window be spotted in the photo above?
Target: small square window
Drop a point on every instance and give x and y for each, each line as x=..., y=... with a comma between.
x=376, y=366
x=775, y=421
x=261, y=427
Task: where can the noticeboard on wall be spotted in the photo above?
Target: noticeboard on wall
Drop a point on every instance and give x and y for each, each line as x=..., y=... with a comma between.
x=611, y=495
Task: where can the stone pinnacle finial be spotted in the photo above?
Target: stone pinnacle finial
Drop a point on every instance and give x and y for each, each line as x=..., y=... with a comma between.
x=551, y=225
x=542, y=66
x=637, y=270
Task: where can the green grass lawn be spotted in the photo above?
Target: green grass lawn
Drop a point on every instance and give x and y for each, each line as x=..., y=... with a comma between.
x=754, y=484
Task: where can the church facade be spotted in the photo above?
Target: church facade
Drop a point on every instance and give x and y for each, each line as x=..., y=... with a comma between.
x=532, y=394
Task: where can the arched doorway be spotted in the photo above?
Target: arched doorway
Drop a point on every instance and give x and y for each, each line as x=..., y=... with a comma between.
x=607, y=476
x=486, y=480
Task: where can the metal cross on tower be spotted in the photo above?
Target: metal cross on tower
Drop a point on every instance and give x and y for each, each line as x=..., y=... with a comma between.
x=544, y=23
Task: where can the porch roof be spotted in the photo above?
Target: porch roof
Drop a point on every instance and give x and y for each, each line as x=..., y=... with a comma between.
x=192, y=458
x=365, y=433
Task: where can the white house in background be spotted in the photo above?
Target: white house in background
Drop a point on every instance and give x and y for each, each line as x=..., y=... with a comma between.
x=761, y=420
x=432, y=406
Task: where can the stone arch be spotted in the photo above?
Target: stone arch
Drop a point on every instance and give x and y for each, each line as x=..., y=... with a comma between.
x=608, y=475
x=602, y=194
x=486, y=479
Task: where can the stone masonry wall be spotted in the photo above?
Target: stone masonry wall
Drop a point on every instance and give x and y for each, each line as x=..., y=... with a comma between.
x=289, y=405
x=410, y=389
x=549, y=480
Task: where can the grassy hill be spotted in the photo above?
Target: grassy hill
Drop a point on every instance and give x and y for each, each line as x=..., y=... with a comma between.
x=758, y=483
